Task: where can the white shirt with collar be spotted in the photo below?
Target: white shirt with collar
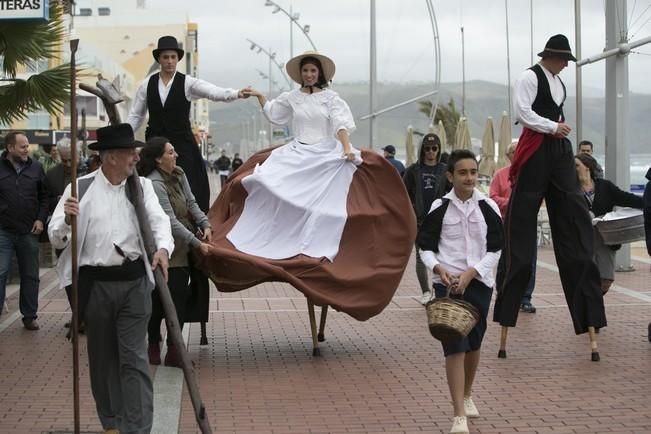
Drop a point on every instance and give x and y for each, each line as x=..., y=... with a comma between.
x=524, y=94
x=107, y=218
x=462, y=243
x=194, y=89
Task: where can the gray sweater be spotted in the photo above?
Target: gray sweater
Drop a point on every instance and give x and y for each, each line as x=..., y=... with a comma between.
x=183, y=238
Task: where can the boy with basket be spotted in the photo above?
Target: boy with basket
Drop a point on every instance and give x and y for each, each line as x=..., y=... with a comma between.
x=460, y=240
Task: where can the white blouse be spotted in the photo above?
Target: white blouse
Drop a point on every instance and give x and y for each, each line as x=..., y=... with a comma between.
x=314, y=117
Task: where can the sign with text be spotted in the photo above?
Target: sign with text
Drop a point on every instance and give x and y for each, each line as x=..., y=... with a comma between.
x=24, y=10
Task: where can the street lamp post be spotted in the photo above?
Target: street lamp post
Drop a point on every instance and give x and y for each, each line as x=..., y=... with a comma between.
x=293, y=20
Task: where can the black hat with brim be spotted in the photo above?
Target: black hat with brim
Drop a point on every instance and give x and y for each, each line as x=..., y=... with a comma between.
x=558, y=46
x=118, y=136
x=167, y=43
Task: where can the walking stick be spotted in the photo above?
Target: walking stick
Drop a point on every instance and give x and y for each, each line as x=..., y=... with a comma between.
x=136, y=195
x=74, y=43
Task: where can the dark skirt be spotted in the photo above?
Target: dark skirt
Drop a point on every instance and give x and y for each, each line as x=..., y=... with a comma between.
x=479, y=295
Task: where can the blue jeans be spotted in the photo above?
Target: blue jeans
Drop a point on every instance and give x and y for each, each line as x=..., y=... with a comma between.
x=26, y=248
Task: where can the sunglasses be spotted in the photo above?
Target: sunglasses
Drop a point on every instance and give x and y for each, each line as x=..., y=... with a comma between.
x=430, y=148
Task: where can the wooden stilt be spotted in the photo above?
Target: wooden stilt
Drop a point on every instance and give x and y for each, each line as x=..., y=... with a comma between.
x=204, y=337
x=502, y=352
x=324, y=314
x=315, y=342
x=593, y=344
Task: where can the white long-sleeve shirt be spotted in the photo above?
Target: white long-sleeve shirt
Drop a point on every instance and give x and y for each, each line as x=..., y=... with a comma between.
x=107, y=218
x=524, y=94
x=462, y=243
x=195, y=88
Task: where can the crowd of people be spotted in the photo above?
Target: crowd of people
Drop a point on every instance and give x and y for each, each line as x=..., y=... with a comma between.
x=297, y=207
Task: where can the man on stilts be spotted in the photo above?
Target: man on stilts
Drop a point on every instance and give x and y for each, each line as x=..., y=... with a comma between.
x=543, y=168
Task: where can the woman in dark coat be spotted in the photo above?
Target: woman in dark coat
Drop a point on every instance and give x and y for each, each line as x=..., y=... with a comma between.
x=602, y=196
x=190, y=228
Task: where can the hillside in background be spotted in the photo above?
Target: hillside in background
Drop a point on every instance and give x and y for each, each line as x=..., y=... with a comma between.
x=483, y=99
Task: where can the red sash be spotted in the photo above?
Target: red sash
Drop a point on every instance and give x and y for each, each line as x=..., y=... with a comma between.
x=528, y=144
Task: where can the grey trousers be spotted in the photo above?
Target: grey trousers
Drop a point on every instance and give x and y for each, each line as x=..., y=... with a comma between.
x=116, y=324
x=421, y=273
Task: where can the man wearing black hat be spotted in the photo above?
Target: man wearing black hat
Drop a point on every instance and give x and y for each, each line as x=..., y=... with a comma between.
x=115, y=278
x=167, y=95
x=390, y=154
x=543, y=168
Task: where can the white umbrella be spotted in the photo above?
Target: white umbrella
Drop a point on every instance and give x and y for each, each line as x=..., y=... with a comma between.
x=504, y=140
x=487, y=162
x=443, y=136
x=462, y=136
x=409, y=146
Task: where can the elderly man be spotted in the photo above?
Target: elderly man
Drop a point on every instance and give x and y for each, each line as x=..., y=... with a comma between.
x=167, y=96
x=543, y=168
x=390, y=155
x=23, y=210
x=116, y=278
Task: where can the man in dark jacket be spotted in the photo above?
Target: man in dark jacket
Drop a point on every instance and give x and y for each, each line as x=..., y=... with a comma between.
x=23, y=209
x=223, y=164
x=390, y=155
x=647, y=220
x=422, y=180
x=236, y=163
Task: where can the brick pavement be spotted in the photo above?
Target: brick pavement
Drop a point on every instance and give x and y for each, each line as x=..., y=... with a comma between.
x=257, y=374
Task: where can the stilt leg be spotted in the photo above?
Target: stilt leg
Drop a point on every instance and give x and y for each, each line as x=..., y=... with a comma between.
x=593, y=344
x=324, y=314
x=315, y=342
x=502, y=352
x=204, y=338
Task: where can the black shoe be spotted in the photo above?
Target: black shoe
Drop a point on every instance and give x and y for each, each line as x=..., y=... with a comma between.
x=528, y=308
x=31, y=324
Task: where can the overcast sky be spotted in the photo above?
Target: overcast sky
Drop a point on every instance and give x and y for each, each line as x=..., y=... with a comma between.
x=341, y=29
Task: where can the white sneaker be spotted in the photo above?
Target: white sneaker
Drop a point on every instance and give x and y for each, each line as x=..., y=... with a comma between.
x=470, y=408
x=459, y=425
x=427, y=296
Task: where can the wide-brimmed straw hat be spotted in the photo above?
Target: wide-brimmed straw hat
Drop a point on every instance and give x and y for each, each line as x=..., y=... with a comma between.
x=558, y=46
x=294, y=66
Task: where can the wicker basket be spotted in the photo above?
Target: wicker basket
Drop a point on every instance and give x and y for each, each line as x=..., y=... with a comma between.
x=451, y=319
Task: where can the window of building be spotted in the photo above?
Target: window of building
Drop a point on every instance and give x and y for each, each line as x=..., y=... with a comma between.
x=104, y=12
x=85, y=12
x=89, y=103
x=38, y=121
x=37, y=66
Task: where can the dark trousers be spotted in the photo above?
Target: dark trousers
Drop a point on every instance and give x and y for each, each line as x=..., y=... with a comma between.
x=178, y=283
x=25, y=246
x=531, y=284
x=550, y=174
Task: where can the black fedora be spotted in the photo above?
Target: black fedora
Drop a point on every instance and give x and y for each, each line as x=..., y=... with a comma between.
x=558, y=46
x=118, y=136
x=167, y=43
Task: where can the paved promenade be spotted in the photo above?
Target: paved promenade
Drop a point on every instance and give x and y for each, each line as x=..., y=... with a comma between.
x=385, y=375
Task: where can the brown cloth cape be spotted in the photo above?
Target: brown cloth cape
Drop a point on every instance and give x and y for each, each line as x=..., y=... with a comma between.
x=373, y=252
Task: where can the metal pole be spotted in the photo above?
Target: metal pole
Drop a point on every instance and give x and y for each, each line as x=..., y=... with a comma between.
x=508, y=57
x=463, y=75
x=74, y=44
x=579, y=82
x=373, y=80
x=291, y=32
x=617, y=104
x=531, y=29
x=270, y=84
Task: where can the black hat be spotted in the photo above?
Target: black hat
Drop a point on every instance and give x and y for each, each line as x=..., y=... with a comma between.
x=431, y=139
x=167, y=43
x=558, y=46
x=118, y=136
x=390, y=149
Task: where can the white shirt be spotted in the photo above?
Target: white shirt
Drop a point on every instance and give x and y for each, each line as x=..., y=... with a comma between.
x=106, y=218
x=314, y=117
x=524, y=94
x=194, y=89
x=462, y=244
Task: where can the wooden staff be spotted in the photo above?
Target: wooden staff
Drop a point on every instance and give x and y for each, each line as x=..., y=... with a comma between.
x=171, y=319
x=74, y=43
x=593, y=344
x=502, y=352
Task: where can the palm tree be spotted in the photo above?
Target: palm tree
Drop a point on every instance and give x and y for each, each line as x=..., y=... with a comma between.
x=24, y=43
x=448, y=114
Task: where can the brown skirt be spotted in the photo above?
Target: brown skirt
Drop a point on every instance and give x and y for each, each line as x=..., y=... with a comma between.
x=374, y=250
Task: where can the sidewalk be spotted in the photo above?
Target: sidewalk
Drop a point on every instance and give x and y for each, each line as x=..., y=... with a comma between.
x=385, y=375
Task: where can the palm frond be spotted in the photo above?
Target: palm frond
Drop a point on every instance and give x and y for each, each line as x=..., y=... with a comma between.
x=48, y=91
x=26, y=42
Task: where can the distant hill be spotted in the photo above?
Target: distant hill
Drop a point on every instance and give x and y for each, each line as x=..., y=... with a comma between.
x=483, y=99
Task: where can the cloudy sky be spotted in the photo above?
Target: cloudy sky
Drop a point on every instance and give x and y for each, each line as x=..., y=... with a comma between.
x=340, y=29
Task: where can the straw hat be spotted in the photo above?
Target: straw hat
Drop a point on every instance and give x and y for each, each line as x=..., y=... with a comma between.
x=294, y=66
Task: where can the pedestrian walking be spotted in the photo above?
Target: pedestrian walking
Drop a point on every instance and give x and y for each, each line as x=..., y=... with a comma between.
x=223, y=165
x=236, y=163
x=390, y=155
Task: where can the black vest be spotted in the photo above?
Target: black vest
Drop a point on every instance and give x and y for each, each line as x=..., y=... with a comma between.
x=430, y=231
x=171, y=120
x=544, y=105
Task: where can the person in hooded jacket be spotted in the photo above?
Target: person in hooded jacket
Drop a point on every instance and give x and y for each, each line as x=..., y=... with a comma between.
x=422, y=180
x=647, y=220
